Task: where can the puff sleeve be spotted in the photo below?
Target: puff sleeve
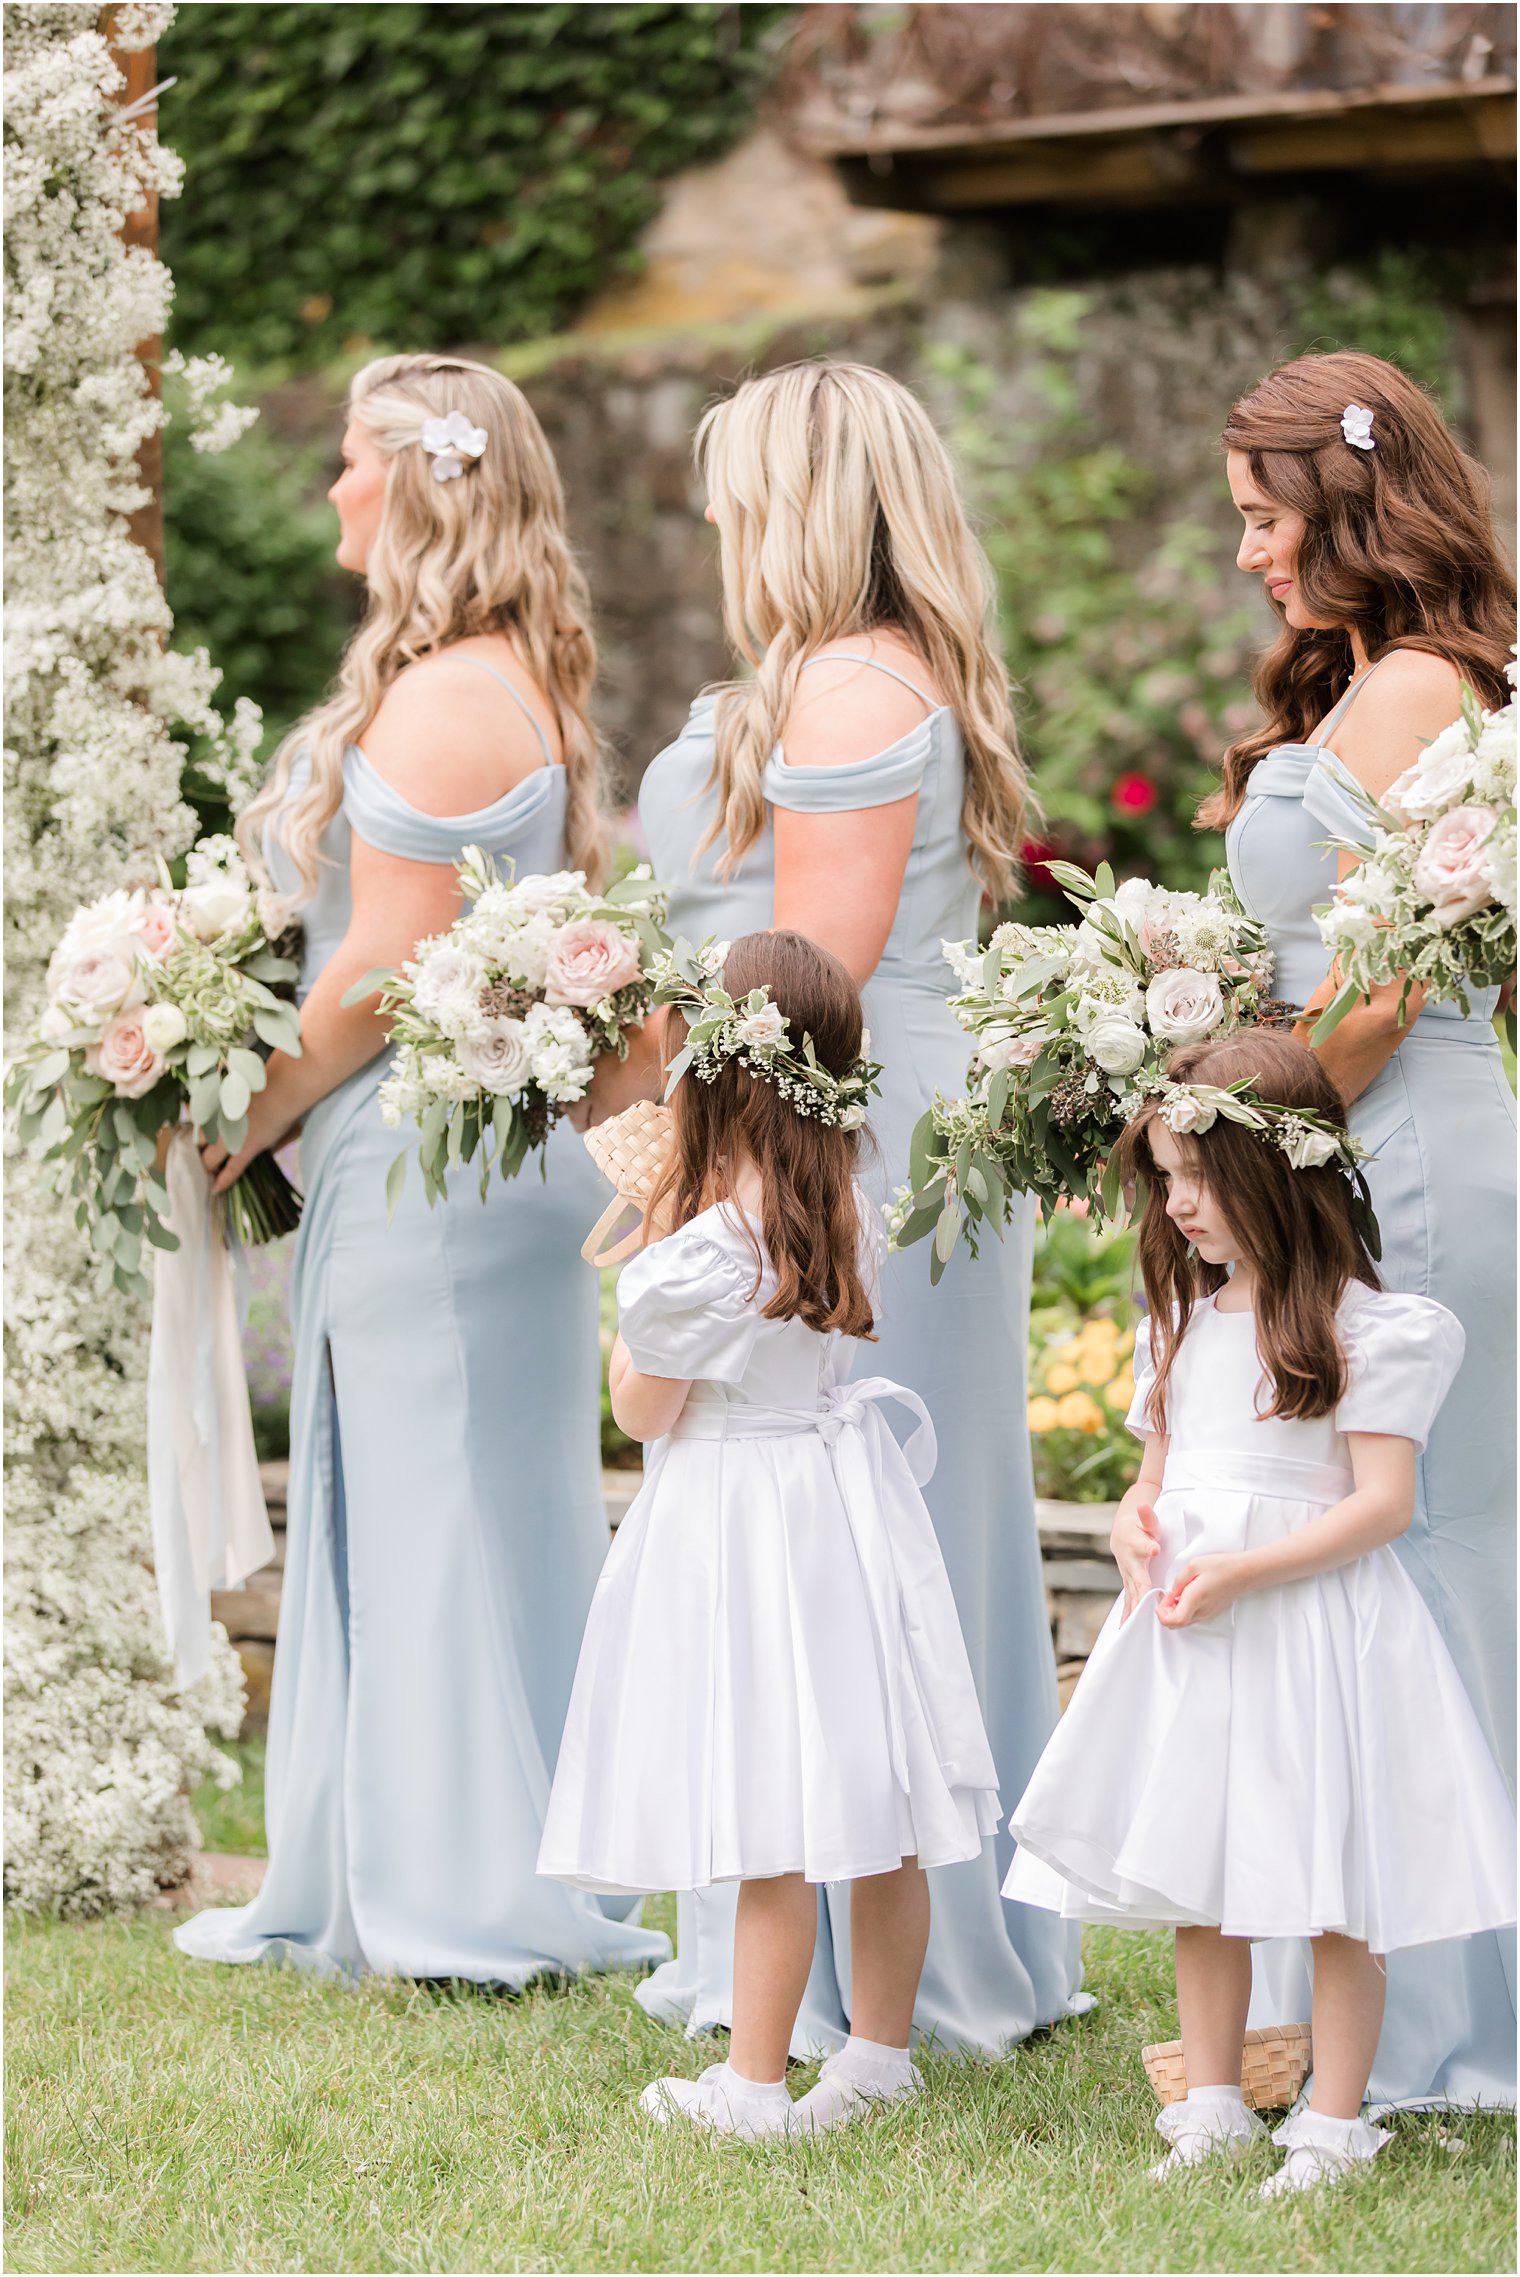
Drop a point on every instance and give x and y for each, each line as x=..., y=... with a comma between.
x=688, y=1309
x=1137, y=1420
x=1403, y=1353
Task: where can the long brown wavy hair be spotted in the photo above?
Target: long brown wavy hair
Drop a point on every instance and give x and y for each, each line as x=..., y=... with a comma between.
x=1295, y=1227
x=808, y=1211
x=1398, y=541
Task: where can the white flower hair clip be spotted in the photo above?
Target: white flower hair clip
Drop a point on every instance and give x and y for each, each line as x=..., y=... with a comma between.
x=1356, y=426
x=450, y=442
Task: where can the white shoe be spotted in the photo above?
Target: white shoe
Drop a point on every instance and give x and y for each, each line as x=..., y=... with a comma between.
x=856, y=2079
x=1210, y=2122
x=1321, y=2150
x=723, y=2103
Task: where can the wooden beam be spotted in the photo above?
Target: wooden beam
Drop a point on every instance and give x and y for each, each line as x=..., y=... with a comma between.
x=991, y=137
x=1457, y=134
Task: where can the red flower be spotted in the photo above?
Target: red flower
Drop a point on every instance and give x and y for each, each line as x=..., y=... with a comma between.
x=1134, y=794
x=1035, y=858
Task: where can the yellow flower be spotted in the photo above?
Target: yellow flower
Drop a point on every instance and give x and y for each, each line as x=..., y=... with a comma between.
x=1079, y=1411
x=1122, y=1390
x=1102, y=1330
x=1042, y=1415
x=1060, y=1376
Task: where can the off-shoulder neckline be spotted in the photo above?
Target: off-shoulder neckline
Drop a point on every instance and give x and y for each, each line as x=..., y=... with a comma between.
x=529, y=782
x=936, y=712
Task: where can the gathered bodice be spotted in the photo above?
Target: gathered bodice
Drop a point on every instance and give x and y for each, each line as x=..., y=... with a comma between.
x=1283, y=864
x=940, y=893
x=526, y=824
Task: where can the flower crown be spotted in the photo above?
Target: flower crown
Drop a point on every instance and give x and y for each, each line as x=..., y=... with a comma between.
x=452, y=443
x=1305, y=1137
x=754, y=1032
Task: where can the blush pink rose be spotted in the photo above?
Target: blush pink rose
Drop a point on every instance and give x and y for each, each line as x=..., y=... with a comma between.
x=155, y=931
x=125, y=1057
x=1451, y=868
x=589, y=959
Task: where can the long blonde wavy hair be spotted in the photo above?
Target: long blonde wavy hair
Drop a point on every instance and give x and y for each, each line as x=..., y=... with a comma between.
x=838, y=514
x=485, y=553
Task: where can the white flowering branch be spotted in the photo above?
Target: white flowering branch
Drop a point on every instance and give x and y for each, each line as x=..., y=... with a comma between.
x=101, y=1751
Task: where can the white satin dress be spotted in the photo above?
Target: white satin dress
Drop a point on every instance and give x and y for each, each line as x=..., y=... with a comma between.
x=1309, y=1760
x=773, y=1678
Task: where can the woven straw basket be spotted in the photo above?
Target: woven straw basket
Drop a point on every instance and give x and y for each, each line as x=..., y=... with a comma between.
x=1272, y=2077
x=631, y=1150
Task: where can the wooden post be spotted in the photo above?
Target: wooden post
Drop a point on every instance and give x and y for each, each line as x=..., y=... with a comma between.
x=141, y=228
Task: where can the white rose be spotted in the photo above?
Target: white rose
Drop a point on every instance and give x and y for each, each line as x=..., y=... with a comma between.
x=760, y=1030
x=218, y=904
x=447, y=986
x=164, y=1025
x=1185, y=1113
x=1184, y=1006
x=1451, y=869
x=548, y=893
x=1305, y=1147
x=714, y=957
x=497, y=1058
x=55, y=1024
x=98, y=983
x=852, y=1117
x=1114, y=1043
x=109, y=923
x=1001, y=1047
x=1438, y=778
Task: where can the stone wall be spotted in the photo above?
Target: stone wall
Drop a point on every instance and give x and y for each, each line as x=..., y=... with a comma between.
x=1181, y=317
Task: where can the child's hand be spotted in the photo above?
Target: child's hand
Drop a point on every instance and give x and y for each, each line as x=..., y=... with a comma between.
x=1135, y=1540
x=1201, y=1590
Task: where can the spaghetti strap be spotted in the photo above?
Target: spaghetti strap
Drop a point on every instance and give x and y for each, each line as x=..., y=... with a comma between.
x=825, y=657
x=1339, y=710
x=519, y=699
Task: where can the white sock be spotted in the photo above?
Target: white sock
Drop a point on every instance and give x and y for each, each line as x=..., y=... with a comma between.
x=872, y=2064
x=741, y=2090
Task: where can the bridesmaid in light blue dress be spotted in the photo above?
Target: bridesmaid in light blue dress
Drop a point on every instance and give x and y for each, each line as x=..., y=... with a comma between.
x=445, y=1519
x=1432, y=1101
x=994, y=1972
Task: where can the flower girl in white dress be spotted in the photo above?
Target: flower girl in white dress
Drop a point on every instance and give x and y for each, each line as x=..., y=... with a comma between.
x=1271, y=1738
x=773, y=1687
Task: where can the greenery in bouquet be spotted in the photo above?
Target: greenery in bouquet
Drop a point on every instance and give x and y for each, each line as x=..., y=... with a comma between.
x=498, y=1023
x=162, y=1005
x=1071, y=1026
x=1431, y=902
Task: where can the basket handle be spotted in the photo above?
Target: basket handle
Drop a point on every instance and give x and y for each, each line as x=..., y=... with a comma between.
x=591, y=1248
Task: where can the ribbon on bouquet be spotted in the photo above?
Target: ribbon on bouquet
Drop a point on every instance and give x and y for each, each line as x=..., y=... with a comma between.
x=909, y=1590
x=210, y=1526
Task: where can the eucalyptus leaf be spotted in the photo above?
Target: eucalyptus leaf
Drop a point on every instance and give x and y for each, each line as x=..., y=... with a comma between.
x=233, y=1096
x=947, y=1232
x=377, y=978
x=395, y=1179
x=248, y=1065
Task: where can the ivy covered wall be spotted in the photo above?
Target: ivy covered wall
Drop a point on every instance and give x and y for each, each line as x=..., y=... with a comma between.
x=422, y=176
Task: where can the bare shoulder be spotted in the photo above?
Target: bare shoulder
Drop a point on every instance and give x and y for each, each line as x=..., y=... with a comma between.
x=1407, y=702
x=451, y=739
x=847, y=708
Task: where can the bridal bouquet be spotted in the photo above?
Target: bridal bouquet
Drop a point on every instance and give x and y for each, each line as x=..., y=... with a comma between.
x=1432, y=900
x=1071, y=1026
x=498, y=1022
x=157, y=1003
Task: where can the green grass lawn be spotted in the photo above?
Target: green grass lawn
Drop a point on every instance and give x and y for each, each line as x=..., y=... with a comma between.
x=166, y=2115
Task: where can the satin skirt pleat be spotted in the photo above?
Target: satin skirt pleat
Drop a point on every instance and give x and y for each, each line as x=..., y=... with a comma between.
x=444, y=1538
